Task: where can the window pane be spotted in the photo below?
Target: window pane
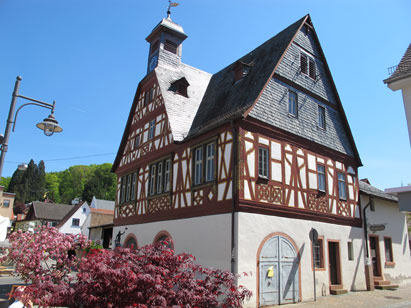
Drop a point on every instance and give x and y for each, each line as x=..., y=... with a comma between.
x=312, y=69
x=151, y=129
x=210, y=162
x=303, y=63
x=133, y=186
x=152, y=179
x=137, y=142
x=198, y=165
x=388, y=250
x=292, y=103
x=160, y=177
x=263, y=162
x=321, y=177
x=318, y=261
x=167, y=175
x=342, y=189
x=123, y=189
x=128, y=187
x=6, y=203
x=321, y=116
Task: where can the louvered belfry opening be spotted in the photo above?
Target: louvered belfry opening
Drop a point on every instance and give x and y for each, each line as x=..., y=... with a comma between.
x=170, y=46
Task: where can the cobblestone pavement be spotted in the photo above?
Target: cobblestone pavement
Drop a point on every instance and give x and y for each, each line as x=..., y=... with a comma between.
x=400, y=298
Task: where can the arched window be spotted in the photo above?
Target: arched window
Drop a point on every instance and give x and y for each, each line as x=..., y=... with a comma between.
x=162, y=236
x=130, y=242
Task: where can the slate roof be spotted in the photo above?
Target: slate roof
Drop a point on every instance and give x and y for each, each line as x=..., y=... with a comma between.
x=225, y=99
x=180, y=109
x=403, y=69
x=375, y=192
x=50, y=211
x=104, y=204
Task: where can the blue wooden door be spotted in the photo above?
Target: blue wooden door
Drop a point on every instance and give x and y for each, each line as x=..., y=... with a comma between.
x=279, y=283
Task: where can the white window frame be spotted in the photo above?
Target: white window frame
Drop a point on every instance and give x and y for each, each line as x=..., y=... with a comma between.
x=263, y=163
x=210, y=162
x=159, y=181
x=167, y=174
x=198, y=165
x=152, y=179
x=342, y=185
x=321, y=117
x=292, y=103
x=321, y=175
x=151, y=129
x=133, y=186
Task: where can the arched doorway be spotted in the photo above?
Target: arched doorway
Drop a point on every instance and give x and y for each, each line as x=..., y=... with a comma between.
x=278, y=272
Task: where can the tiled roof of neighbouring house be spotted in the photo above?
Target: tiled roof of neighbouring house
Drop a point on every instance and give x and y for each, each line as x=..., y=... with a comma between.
x=375, y=192
x=403, y=69
x=51, y=211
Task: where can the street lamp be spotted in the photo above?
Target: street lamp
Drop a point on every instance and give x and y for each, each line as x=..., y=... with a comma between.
x=49, y=124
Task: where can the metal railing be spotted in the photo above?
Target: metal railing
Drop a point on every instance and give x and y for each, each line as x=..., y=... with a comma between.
x=401, y=68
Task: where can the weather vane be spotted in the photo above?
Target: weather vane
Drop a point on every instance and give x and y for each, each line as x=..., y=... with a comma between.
x=170, y=5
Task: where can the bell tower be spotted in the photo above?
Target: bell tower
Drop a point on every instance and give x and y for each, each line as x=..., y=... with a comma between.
x=165, y=44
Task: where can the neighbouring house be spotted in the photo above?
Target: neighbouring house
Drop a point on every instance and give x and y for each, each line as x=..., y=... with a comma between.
x=6, y=212
x=43, y=214
x=101, y=226
x=74, y=220
x=240, y=167
x=400, y=79
x=388, y=248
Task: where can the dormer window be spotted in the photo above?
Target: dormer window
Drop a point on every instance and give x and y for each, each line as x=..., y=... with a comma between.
x=241, y=70
x=170, y=46
x=180, y=86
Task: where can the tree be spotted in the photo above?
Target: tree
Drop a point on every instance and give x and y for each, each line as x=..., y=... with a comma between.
x=101, y=184
x=52, y=187
x=72, y=182
x=150, y=276
x=5, y=182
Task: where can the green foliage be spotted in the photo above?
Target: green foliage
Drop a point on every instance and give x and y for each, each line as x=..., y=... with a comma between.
x=30, y=184
x=62, y=187
x=101, y=184
x=5, y=182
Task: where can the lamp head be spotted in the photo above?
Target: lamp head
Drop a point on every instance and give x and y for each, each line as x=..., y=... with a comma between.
x=50, y=126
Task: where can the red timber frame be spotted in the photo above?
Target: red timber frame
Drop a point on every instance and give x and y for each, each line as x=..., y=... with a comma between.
x=291, y=195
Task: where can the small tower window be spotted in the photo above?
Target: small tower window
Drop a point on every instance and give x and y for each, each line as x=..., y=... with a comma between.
x=170, y=46
x=154, y=46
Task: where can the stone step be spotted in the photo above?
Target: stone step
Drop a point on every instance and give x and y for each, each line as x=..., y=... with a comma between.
x=387, y=287
x=338, y=291
x=382, y=282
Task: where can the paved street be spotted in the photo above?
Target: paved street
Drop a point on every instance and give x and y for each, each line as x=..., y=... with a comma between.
x=400, y=298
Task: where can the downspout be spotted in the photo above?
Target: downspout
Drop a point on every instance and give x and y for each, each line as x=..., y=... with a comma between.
x=365, y=228
x=234, y=193
x=368, y=269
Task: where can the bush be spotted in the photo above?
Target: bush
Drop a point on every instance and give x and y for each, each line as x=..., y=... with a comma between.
x=151, y=276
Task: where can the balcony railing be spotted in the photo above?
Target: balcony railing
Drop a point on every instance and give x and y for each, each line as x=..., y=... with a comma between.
x=402, y=68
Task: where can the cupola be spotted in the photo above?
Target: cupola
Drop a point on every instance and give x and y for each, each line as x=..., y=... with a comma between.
x=165, y=44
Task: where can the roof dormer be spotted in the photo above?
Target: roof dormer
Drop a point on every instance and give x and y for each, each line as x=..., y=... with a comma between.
x=180, y=86
x=241, y=69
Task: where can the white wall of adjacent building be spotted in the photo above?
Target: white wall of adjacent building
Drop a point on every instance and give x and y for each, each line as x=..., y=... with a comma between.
x=388, y=214
x=81, y=214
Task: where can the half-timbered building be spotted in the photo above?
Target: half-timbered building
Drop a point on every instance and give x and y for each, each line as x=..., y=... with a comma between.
x=238, y=167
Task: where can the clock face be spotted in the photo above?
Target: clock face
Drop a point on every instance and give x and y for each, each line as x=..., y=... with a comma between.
x=153, y=62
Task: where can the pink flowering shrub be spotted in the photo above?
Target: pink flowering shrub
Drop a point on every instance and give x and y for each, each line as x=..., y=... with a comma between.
x=151, y=276
x=43, y=260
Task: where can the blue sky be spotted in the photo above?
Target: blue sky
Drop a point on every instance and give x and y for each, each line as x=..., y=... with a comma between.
x=89, y=56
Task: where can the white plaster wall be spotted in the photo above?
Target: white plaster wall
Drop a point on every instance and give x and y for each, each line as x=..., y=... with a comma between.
x=406, y=96
x=85, y=227
x=253, y=228
x=96, y=234
x=81, y=214
x=208, y=238
x=395, y=227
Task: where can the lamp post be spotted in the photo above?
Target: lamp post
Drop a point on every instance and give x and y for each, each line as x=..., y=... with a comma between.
x=49, y=124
